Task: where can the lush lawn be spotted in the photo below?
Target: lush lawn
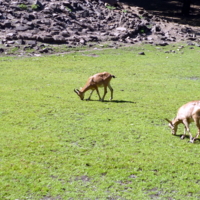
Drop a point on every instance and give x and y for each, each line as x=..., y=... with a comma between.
x=55, y=146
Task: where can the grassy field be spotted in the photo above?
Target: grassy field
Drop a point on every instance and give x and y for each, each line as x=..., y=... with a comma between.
x=55, y=146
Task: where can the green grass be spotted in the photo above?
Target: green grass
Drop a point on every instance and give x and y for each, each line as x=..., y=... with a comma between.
x=23, y=6
x=55, y=146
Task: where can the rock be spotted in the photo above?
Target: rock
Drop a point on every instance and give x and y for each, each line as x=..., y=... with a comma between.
x=10, y=42
x=121, y=29
x=46, y=50
x=79, y=22
x=31, y=43
x=189, y=43
x=59, y=39
x=141, y=53
x=65, y=33
x=1, y=50
x=161, y=43
x=110, y=2
x=82, y=41
x=22, y=28
x=11, y=36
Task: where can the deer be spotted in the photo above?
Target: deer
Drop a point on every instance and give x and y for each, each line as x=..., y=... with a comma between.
x=186, y=114
x=94, y=82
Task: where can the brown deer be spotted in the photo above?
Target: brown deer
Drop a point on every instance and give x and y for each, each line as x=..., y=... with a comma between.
x=186, y=114
x=94, y=82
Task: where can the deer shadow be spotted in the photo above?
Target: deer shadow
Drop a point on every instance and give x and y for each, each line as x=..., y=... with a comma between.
x=119, y=101
x=113, y=101
x=186, y=137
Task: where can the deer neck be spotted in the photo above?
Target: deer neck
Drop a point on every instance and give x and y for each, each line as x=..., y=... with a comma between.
x=85, y=88
x=176, y=121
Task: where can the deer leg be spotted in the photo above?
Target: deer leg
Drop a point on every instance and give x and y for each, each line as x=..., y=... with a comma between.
x=105, y=91
x=196, y=136
x=187, y=129
x=198, y=126
x=111, y=90
x=90, y=95
x=96, y=88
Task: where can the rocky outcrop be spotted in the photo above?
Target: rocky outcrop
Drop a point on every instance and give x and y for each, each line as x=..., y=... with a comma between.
x=80, y=22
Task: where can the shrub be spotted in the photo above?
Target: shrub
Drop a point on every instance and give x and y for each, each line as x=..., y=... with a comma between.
x=35, y=6
x=23, y=6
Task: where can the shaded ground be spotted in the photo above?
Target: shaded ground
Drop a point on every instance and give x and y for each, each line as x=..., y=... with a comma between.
x=170, y=10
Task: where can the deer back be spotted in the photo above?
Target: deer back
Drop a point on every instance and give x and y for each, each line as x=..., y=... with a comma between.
x=189, y=110
x=100, y=79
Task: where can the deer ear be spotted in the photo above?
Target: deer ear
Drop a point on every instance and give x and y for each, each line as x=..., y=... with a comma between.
x=76, y=91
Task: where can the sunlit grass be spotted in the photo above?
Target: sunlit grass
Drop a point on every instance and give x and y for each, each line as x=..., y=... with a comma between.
x=53, y=145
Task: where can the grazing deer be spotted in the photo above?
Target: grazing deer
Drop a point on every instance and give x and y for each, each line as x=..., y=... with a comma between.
x=95, y=81
x=187, y=113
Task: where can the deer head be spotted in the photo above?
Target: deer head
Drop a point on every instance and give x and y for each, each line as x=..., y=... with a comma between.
x=79, y=93
x=172, y=126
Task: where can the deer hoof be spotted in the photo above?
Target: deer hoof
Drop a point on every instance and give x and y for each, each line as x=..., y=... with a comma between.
x=182, y=137
x=191, y=141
